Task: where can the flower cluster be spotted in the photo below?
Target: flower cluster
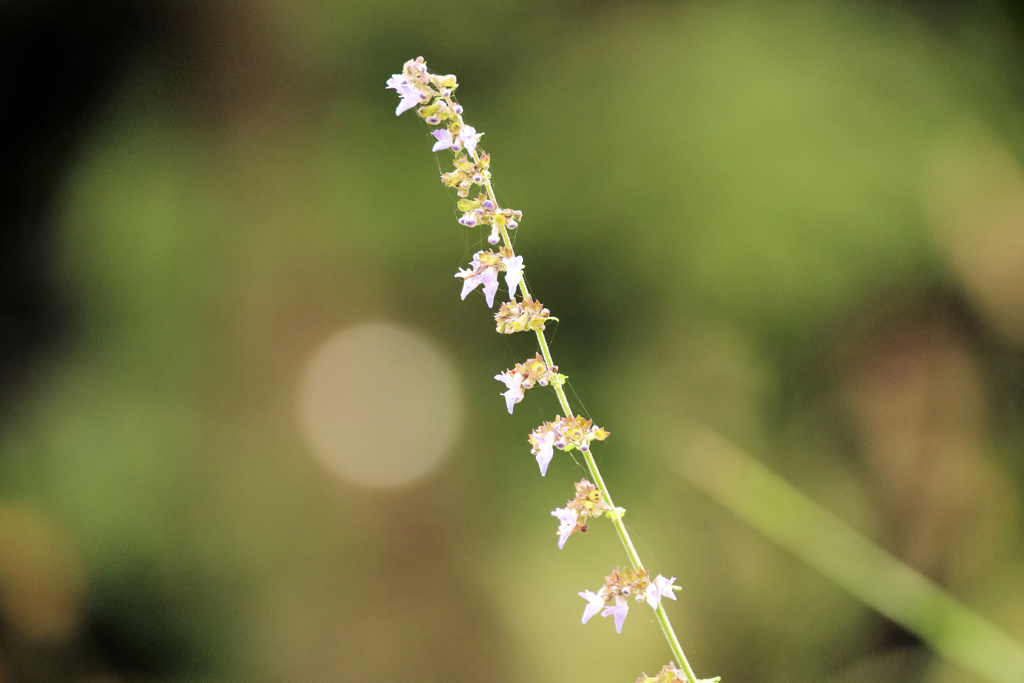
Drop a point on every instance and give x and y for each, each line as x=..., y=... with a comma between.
x=484, y=271
x=619, y=585
x=564, y=434
x=524, y=375
x=671, y=674
x=415, y=85
x=483, y=211
x=668, y=674
x=467, y=173
x=519, y=316
x=589, y=502
x=433, y=95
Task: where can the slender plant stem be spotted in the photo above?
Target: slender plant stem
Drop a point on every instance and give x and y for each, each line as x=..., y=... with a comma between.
x=620, y=527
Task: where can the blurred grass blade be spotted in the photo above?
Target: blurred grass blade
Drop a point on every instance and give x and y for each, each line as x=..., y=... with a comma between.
x=826, y=543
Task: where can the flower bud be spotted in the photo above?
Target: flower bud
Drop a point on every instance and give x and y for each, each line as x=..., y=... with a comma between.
x=457, y=109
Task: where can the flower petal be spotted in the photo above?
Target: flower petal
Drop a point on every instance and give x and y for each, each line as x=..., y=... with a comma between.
x=619, y=612
x=514, y=382
x=652, y=596
x=594, y=604
x=470, y=282
x=513, y=274
x=407, y=103
x=665, y=586
x=444, y=139
x=490, y=279
x=545, y=452
x=469, y=139
x=512, y=397
x=568, y=519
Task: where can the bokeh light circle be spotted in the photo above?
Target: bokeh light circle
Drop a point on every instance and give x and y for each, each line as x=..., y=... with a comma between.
x=379, y=405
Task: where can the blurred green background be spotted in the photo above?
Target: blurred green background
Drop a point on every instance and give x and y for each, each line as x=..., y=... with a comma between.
x=255, y=435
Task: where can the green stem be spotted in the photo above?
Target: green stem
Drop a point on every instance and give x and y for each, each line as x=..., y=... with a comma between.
x=620, y=527
x=673, y=643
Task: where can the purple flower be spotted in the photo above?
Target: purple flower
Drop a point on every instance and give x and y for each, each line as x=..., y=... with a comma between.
x=513, y=274
x=545, y=451
x=619, y=611
x=488, y=277
x=568, y=519
x=469, y=138
x=594, y=604
x=658, y=589
x=514, y=381
x=409, y=93
x=444, y=139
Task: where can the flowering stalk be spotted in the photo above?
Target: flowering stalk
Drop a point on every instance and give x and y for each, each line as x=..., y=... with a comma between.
x=432, y=94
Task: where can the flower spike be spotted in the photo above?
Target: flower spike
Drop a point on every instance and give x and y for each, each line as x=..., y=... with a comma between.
x=432, y=97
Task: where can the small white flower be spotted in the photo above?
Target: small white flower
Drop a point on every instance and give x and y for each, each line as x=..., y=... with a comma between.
x=409, y=93
x=495, y=235
x=619, y=612
x=545, y=451
x=513, y=274
x=658, y=589
x=469, y=138
x=595, y=604
x=444, y=139
x=569, y=519
x=488, y=277
x=514, y=381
